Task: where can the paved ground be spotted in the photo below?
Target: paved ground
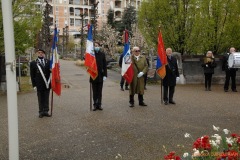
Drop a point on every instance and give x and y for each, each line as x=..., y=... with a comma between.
x=117, y=132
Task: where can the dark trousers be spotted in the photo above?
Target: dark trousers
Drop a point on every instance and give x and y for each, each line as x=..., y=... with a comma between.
x=208, y=80
x=122, y=82
x=43, y=101
x=97, y=93
x=230, y=74
x=168, y=97
x=140, y=99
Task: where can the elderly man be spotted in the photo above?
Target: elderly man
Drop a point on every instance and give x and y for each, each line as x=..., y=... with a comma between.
x=230, y=72
x=169, y=81
x=140, y=67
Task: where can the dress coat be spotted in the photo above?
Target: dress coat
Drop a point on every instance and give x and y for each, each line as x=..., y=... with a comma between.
x=210, y=66
x=171, y=72
x=137, y=85
x=101, y=66
x=36, y=76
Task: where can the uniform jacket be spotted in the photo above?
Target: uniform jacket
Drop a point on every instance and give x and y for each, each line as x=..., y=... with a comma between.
x=137, y=85
x=36, y=77
x=225, y=63
x=210, y=66
x=171, y=72
x=101, y=66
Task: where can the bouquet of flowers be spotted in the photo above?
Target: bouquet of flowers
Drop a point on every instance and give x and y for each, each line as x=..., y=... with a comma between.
x=216, y=147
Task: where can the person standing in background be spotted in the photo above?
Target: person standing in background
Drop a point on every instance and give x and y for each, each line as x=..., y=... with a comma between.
x=208, y=66
x=229, y=72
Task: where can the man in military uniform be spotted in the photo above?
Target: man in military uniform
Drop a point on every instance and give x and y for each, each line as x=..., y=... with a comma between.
x=40, y=76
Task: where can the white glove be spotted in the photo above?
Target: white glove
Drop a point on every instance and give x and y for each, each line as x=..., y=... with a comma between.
x=177, y=78
x=35, y=88
x=104, y=78
x=206, y=65
x=140, y=74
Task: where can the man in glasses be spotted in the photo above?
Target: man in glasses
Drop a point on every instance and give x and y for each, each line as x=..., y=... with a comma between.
x=230, y=72
x=140, y=67
x=169, y=81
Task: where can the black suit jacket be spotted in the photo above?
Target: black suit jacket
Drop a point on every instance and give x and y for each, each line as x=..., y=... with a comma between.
x=101, y=66
x=171, y=72
x=36, y=77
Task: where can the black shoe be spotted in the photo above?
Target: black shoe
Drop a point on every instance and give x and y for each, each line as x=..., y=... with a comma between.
x=126, y=88
x=165, y=102
x=94, y=108
x=122, y=89
x=172, y=102
x=131, y=105
x=142, y=104
x=46, y=115
x=40, y=116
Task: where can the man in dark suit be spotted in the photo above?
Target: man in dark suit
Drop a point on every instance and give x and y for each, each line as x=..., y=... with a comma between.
x=97, y=84
x=169, y=81
x=230, y=72
x=40, y=76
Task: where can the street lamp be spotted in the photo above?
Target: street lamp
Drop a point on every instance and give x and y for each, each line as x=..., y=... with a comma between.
x=82, y=36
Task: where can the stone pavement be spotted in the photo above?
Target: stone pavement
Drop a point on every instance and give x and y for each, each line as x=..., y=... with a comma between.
x=117, y=132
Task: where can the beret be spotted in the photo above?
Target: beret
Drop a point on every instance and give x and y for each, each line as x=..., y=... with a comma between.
x=41, y=50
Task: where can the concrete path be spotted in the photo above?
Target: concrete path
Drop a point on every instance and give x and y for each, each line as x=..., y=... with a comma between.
x=118, y=132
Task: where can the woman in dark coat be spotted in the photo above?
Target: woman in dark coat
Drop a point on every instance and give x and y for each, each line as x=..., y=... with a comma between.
x=208, y=66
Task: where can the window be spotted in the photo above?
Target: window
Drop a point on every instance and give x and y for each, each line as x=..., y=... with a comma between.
x=71, y=22
x=70, y=1
x=77, y=22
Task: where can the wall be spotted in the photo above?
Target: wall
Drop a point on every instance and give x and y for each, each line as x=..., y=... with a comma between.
x=193, y=71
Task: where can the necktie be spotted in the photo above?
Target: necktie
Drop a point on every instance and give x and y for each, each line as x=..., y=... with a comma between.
x=43, y=64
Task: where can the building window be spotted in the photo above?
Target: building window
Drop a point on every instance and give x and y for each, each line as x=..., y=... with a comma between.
x=77, y=2
x=70, y=1
x=65, y=1
x=56, y=1
x=71, y=22
x=77, y=22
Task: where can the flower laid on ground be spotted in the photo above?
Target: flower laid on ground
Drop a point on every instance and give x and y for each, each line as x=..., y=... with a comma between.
x=172, y=156
x=215, y=147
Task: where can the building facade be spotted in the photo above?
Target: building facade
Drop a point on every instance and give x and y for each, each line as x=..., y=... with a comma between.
x=77, y=13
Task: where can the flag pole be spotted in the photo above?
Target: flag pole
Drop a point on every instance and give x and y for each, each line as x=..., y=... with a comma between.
x=90, y=96
x=51, y=104
x=13, y=139
x=161, y=91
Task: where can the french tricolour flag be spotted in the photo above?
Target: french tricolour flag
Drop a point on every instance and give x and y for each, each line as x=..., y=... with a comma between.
x=127, y=69
x=55, y=66
x=90, y=59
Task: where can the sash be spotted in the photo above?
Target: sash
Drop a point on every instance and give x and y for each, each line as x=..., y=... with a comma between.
x=44, y=78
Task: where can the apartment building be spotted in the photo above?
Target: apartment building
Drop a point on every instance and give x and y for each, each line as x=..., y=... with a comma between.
x=75, y=13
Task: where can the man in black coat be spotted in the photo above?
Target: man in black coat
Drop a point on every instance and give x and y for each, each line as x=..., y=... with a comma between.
x=169, y=81
x=230, y=72
x=97, y=84
x=40, y=76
